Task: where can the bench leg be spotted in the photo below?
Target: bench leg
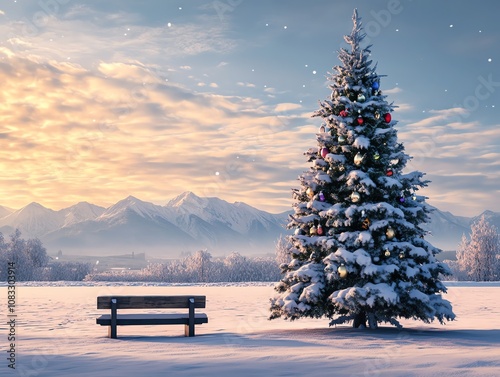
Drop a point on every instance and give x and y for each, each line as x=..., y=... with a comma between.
x=112, y=328
x=189, y=330
x=112, y=332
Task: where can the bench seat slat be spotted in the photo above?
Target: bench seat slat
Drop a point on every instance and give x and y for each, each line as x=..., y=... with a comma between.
x=140, y=302
x=151, y=319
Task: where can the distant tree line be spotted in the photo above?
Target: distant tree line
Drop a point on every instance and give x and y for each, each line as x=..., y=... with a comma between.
x=199, y=267
x=32, y=262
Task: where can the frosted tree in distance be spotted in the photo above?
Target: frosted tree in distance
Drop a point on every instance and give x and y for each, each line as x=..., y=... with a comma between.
x=477, y=257
x=358, y=251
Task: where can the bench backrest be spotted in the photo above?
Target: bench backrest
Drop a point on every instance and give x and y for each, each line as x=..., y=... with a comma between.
x=147, y=302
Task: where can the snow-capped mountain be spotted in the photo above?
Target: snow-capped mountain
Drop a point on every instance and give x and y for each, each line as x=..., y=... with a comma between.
x=81, y=212
x=239, y=217
x=185, y=224
x=34, y=220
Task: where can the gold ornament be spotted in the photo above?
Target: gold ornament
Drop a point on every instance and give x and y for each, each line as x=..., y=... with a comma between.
x=310, y=192
x=355, y=197
x=313, y=231
x=387, y=253
x=341, y=139
x=376, y=156
x=366, y=224
x=342, y=270
x=390, y=233
x=358, y=159
x=401, y=255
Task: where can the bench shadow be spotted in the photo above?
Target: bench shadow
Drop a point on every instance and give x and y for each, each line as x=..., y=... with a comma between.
x=466, y=337
x=222, y=339
x=317, y=337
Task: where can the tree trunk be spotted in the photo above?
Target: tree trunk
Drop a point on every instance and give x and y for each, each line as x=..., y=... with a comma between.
x=359, y=320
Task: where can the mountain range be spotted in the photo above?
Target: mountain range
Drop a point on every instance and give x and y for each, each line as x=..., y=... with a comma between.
x=185, y=224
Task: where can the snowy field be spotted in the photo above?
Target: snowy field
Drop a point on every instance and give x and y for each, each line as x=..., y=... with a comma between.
x=57, y=337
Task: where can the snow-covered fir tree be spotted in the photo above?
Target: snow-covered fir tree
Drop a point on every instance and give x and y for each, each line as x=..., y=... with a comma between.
x=358, y=251
x=478, y=257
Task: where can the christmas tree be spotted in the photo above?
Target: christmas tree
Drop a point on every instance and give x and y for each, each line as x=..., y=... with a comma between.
x=358, y=252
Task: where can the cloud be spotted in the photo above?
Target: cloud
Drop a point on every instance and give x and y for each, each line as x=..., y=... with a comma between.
x=185, y=67
x=121, y=131
x=85, y=34
x=245, y=84
x=394, y=90
x=284, y=107
x=459, y=155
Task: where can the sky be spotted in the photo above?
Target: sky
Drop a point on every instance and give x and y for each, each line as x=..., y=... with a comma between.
x=105, y=99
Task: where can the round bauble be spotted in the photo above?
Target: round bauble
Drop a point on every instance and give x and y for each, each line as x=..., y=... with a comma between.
x=324, y=152
x=360, y=120
x=389, y=172
x=320, y=230
x=310, y=192
x=401, y=255
x=342, y=270
x=358, y=159
x=313, y=231
x=344, y=113
x=322, y=129
x=387, y=253
x=361, y=98
x=355, y=197
x=366, y=224
x=390, y=233
x=321, y=196
x=341, y=139
x=377, y=115
x=387, y=118
x=376, y=156
x=375, y=85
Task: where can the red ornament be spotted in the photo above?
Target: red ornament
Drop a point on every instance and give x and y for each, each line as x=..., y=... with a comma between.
x=360, y=121
x=320, y=230
x=324, y=152
x=389, y=173
x=344, y=113
x=387, y=117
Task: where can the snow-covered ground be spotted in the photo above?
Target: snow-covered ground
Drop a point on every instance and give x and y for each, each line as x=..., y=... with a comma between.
x=57, y=337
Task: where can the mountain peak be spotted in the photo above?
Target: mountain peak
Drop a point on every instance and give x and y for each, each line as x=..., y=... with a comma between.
x=186, y=197
x=81, y=211
x=131, y=203
x=34, y=208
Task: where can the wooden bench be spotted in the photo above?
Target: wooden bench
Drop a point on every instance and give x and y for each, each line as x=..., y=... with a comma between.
x=189, y=318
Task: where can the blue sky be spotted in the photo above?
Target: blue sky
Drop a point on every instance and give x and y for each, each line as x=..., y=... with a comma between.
x=105, y=99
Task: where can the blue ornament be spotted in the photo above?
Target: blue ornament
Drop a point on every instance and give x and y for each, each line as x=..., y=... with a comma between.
x=375, y=85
